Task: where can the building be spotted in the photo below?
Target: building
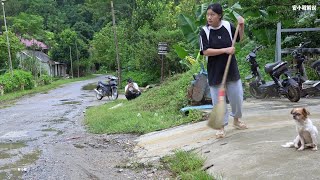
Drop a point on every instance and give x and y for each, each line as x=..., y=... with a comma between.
x=39, y=53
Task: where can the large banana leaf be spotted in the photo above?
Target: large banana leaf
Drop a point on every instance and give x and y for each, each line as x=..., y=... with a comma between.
x=265, y=36
x=201, y=13
x=181, y=52
x=189, y=27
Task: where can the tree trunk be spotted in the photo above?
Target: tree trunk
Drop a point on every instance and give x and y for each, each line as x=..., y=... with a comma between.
x=78, y=59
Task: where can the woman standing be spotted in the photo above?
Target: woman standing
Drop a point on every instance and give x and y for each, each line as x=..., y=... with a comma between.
x=216, y=43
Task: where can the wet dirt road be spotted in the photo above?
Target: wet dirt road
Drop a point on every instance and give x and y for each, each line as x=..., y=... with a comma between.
x=44, y=137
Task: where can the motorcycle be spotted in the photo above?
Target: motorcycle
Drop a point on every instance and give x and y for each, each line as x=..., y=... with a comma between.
x=110, y=89
x=316, y=67
x=259, y=89
x=307, y=87
x=199, y=91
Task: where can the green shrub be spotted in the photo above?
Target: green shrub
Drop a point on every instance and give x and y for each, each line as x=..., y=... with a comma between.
x=141, y=78
x=19, y=81
x=102, y=70
x=44, y=80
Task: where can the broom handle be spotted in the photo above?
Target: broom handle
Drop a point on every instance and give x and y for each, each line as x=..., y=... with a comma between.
x=229, y=58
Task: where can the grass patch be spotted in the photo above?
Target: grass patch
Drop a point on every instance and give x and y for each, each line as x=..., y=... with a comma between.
x=40, y=89
x=156, y=109
x=186, y=166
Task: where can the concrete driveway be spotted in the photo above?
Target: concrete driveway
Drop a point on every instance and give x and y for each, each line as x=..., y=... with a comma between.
x=255, y=153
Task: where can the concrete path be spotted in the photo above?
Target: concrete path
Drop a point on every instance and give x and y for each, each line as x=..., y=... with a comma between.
x=255, y=153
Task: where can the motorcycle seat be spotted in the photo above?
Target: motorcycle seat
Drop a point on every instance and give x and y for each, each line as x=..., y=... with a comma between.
x=272, y=66
x=104, y=84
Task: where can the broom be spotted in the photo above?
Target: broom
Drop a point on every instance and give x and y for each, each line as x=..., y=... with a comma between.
x=217, y=114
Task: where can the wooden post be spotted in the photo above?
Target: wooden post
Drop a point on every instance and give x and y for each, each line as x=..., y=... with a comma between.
x=116, y=43
x=162, y=68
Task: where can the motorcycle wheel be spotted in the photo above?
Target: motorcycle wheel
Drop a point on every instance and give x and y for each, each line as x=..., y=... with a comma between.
x=293, y=93
x=114, y=94
x=256, y=93
x=98, y=95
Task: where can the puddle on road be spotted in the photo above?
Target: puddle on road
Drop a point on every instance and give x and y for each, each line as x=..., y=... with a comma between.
x=90, y=86
x=9, y=146
x=80, y=146
x=71, y=102
x=58, y=132
x=14, y=170
x=66, y=99
x=13, y=174
x=49, y=130
x=60, y=120
x=4, y=155
x=5, y=106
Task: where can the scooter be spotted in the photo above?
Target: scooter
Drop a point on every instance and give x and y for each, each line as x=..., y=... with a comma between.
x=316, y=66
x=259, y=89
x=307, y=87
x=110, y=89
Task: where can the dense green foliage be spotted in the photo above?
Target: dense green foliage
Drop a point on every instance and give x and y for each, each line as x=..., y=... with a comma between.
x=19, y=81
x=84, y=28
x=7, y=98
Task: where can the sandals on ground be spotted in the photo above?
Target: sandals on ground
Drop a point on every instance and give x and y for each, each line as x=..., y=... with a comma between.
x=220, y=134
x=240, y=125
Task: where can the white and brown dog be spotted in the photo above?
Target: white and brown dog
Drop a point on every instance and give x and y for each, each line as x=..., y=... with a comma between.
x=307, y=132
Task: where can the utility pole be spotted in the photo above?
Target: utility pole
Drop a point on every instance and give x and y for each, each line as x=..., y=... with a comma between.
x=78, y=59
x=8, y=43
x=71, y=70
x=116, y=43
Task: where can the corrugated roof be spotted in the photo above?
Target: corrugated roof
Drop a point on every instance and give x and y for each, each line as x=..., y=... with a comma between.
x=29, y=43
x=39, y=55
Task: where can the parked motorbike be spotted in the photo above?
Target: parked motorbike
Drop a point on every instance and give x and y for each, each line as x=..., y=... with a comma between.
x=259, y=89
x=109, y=89
x=307, y=87
x=199, y=91
x=316, y=66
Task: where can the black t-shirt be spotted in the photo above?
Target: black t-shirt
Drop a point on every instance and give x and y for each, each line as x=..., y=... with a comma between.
x=220, y=37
